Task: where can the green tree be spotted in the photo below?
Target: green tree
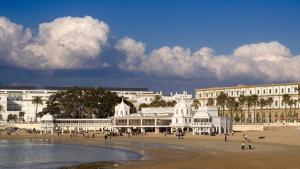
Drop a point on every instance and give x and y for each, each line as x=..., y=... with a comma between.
x=241, y=104
x=37, y=101
x=21, y=115
x=285, y=99
x=84, y=103
x=221, y=102
x=1, y=109
x=298, y=94
x=262, y=103
x=232, y=105
x=269, y=103
x=254, y=100
x=210, y=102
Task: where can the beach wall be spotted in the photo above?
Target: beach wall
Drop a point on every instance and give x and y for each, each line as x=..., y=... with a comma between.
x=22, y=125
x=248, y=127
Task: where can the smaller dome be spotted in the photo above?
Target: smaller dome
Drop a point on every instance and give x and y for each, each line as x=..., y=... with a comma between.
x=48, y=117
x=122, y=105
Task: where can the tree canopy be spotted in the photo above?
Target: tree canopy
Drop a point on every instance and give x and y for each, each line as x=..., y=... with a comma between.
x=158, y=102
x=83, y=103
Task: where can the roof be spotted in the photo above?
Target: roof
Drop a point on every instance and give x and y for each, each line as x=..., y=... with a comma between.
x=240, y=86
x=122, y=105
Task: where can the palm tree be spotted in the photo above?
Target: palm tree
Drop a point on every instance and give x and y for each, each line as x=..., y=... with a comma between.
x=221, y=101
x=210, y=102
x=254, y=99
x=249, y=104
x=262, y=103
x=298, y=94
x=37, y=101
x=290, y=103
x=1, y=109
x=230, y=103
x=269, y=103
x=196, y=103
x=21, y=115
x=285, y=99
x=241, y=104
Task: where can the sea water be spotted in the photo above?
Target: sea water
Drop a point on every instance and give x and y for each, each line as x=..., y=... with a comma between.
x=25, y=154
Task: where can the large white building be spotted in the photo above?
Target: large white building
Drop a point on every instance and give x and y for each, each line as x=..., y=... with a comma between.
x=205, y=120
x=275, y=91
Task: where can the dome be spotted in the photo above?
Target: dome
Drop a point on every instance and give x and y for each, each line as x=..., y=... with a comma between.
x=122, y=105
x=48, y=117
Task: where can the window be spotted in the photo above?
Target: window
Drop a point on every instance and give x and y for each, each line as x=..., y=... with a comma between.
x=257, y=91
x=289, y=90
x=282, y=90
x=276, y=91
x=231, y=93
x=237, y=93
x=282, y=103
x=264, y=91
x=250, y=92
x=145, y=99
x=121, y=113
x=270, y=91
x=182, y=111
x=276, y=103
x=176, y=120
x=176, y=111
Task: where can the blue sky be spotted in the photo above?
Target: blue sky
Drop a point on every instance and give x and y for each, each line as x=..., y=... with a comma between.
x=220, y=25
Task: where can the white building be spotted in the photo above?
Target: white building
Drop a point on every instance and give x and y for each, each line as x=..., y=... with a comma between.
x=275, y=91
x=171, y=119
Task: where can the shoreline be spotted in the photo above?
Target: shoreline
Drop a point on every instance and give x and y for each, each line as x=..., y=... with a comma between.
x=167, y=152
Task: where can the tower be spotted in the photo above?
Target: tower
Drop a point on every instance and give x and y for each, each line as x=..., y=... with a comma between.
x=122, y=109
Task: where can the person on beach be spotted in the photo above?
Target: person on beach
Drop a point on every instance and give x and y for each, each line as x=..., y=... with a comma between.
x=249, y=144
x=225, y=138
x=105, y=137
x=243, y=145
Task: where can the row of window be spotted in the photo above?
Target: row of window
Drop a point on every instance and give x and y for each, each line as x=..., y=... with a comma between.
x=258, y=92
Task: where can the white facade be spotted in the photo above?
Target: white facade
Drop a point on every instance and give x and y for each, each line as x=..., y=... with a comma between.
x=20, y=100
x=276, y=91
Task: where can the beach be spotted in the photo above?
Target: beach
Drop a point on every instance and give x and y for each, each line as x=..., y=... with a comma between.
x=279, y=149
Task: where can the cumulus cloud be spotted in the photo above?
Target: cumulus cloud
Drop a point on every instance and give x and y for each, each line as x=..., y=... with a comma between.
x=65, y=43
x=269, y=61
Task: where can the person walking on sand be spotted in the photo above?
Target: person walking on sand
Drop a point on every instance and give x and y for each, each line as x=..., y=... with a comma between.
x=249, y=144
x=243, y=145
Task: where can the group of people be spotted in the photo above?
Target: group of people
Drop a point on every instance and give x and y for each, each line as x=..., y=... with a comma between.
x=246, y=141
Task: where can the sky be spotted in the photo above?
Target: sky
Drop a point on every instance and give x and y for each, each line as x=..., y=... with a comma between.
x=162, y=45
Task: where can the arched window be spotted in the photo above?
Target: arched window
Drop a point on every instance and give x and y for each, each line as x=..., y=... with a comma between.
x=176, y=120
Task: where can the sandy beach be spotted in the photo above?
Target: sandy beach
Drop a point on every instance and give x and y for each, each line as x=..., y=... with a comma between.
x=279, y=149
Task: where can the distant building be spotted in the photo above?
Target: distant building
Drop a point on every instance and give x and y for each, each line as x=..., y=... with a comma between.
x=275, y=91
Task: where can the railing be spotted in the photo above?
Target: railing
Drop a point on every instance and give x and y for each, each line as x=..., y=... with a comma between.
x=201, y=124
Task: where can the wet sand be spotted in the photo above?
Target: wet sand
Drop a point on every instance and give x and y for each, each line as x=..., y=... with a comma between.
x=278, y=150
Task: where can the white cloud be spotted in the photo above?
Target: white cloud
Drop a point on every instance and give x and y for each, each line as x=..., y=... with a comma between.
x=65, y=43
x=268, y=61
